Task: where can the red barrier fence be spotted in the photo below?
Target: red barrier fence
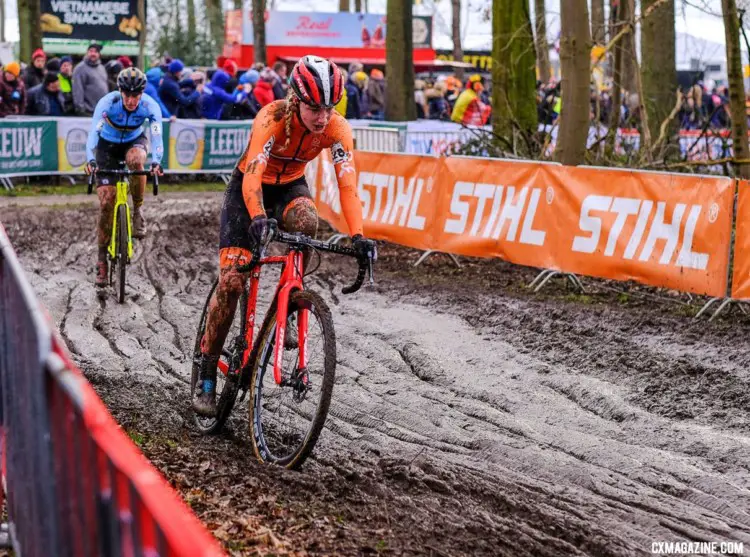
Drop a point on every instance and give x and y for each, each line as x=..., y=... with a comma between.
x=76, y=485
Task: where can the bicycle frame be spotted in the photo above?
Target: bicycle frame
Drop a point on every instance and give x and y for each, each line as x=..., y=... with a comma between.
x=121, y=199
x=290, y=280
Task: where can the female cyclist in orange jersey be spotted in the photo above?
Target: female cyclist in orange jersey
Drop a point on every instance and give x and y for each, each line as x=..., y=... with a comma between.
x=269, y=182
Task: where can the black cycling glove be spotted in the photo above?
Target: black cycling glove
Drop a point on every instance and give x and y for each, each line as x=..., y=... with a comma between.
x=258, y=230
x=364, y=247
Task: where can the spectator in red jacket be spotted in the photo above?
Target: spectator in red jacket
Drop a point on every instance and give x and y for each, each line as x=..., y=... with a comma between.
x=263, y=91
x=35, y=72
x=12, y=91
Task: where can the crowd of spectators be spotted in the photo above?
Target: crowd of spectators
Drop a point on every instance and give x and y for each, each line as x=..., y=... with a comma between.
x=702, y=104
x=55, y=87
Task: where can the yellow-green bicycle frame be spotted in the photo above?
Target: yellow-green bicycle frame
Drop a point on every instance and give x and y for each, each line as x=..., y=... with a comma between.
x=121, y=199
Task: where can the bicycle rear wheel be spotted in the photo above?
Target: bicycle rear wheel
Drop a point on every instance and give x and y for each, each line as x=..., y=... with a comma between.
x=286, y=420
x=121, y=252
x=227, y=386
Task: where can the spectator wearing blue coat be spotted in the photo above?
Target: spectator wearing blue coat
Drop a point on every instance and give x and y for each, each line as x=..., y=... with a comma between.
x=169, y=90
x=245, y=106
x=353, y=99
x=215, y=97
x=153, y=77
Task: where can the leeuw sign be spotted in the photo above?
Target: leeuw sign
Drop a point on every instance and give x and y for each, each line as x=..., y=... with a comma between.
x=28, y=146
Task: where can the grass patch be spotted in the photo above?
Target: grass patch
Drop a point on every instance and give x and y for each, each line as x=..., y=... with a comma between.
x=30, y=190
x=137, y=438
x=580, y=298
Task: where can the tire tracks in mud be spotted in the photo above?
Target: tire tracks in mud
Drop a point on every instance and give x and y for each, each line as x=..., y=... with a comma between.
x=531, y=428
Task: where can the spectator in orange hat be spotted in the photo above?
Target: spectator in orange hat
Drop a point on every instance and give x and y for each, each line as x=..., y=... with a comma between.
x=34, y=73
x=452, y=90
x=12, y=90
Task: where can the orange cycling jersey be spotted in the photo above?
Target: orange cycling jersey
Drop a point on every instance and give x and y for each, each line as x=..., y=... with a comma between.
x=270, y=160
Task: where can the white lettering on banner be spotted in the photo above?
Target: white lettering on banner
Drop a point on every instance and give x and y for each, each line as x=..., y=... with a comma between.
x=501, y=212
x=228, y=141
x=658, y=230
x=21, y=142
x=77, y=12
x=402, y=199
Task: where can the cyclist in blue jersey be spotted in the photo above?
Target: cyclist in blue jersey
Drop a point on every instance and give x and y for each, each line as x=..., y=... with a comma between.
x=118, y=138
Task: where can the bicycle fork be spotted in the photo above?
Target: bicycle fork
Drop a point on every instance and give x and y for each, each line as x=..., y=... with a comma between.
x=291, y=282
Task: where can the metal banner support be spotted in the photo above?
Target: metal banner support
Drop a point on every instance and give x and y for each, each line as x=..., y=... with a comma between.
x=722, y=306
x=336, y=238
x=429, y=252
x=544, y=276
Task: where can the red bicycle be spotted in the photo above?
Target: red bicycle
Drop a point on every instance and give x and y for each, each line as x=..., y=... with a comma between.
x=290, y=377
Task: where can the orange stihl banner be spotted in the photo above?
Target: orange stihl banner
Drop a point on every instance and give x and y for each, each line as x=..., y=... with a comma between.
x=660, y=229
x=741, y=271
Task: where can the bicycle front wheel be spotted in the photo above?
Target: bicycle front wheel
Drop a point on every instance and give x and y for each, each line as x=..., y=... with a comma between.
x=121, y=252
x=286, y=419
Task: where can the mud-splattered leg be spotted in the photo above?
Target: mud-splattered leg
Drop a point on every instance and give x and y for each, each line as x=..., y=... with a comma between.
x=301, y=216
x=221, y=310
x=136, y=160
x=106, y=196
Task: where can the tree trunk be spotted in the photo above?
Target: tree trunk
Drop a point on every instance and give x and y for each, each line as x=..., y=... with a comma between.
x=192, y=26
x=259, y=30
x=2, y=21
x=658, y=70
x=612, y=28
x=736, y=86
x=142, y=35
x=400, y=105
x=575, y=65
x=598, y=28
x=540, y=38
x=458, y=51
x=628, y=41
x=343, y=5
x=358, y=6
x=616, y=66
x=216, y=23
x=513, y=79
x=29, y=28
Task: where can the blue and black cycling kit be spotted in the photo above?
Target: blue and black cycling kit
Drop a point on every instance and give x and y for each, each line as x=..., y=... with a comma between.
x=114, y=124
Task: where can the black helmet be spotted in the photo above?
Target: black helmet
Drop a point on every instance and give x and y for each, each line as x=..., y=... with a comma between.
x=113, y=67
x=131, y=80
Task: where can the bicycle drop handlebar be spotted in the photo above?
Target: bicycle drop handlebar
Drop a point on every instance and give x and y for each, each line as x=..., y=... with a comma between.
x=124, y=173
x=298, y=240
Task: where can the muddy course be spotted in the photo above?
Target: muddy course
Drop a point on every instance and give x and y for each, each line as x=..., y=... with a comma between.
x=469, y=415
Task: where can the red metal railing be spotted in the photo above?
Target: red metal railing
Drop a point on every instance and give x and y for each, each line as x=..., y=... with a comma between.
x=75, y=483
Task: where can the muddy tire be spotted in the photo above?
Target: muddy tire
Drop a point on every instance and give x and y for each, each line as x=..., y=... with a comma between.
x=121, y=253
x=261, y=379
x=226, y=386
